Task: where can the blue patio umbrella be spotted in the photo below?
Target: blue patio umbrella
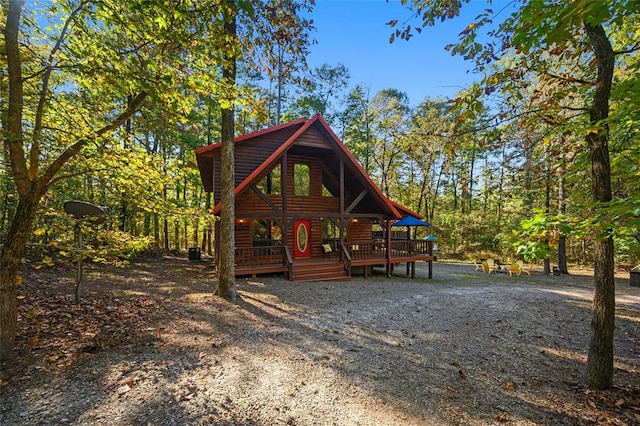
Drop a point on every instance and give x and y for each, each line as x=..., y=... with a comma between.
x=410, y=221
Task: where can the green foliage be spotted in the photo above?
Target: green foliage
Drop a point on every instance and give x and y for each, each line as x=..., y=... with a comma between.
x=113, y=246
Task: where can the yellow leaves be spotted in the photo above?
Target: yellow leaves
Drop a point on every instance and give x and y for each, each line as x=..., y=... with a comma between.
x=53, y=358
x=469, y=28
x=18, y=279
x=47, y=260
x=594, y=130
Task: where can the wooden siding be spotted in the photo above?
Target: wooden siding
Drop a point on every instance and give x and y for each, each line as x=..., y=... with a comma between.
x=314, y=137
x=249, y=155
x=360, y=230
x=243, y=233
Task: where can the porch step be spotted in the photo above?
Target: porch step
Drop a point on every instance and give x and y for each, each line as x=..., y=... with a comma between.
x=319, y=271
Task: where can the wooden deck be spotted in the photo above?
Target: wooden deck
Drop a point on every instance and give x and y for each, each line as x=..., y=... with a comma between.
x=334, y=267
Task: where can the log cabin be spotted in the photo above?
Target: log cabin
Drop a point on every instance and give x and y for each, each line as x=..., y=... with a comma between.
x=306, y=208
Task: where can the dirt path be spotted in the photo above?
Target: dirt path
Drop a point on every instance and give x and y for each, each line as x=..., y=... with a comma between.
x=151, y=345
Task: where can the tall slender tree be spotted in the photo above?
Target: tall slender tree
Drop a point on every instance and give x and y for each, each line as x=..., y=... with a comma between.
x=226, y=286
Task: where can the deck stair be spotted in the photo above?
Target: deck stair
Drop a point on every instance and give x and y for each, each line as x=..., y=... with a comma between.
x=319, y=270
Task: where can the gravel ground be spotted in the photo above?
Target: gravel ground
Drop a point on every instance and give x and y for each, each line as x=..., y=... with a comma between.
x=150, y=345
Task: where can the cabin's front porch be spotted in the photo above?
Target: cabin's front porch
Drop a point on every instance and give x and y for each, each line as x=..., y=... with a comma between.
x=337, y=264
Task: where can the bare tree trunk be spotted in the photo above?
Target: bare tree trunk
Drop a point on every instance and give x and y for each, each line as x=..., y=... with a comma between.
x=166, y=235
x=176, y=224
x=124, y=204
x=547, y=203
x=16, y=240
x=146, y=227
x=471, y=177
x=156, y=229
x=562, y=240
x=226, y=272
x=10, y=257
x=598, y=373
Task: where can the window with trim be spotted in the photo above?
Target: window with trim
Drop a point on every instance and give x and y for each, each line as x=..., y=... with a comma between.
x=265, y=233
x=271, y=183
x=301, y=180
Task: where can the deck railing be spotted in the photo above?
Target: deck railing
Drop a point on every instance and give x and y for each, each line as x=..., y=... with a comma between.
x=254, y=256
x=410, y=247
x=360, y=250
x=352, y=250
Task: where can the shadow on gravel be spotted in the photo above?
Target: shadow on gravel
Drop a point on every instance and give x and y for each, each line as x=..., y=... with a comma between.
x=151, y=345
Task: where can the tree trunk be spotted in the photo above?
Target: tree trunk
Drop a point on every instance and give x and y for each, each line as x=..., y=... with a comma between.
x=598, y=373
x=226, y=272
x=156, y=229
x=547, y=204
x=471, y=177
x=10, y=257
x=562, y=239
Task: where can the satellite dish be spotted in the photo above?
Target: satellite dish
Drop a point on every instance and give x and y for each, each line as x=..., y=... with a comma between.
x=82, y=210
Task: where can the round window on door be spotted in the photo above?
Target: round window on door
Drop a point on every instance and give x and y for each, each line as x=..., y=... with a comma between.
x=302, y=238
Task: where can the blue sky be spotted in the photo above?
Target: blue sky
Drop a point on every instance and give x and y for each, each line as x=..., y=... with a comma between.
x=353, y=32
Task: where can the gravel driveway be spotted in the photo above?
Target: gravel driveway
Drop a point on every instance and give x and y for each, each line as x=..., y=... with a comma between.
x=151, y=345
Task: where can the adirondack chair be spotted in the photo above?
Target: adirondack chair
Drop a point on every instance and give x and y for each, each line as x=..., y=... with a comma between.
x=489, y=266
x=514, y=269
x=477, y=265
x=525, y=269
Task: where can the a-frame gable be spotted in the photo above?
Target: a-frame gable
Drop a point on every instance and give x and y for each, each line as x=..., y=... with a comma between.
x=357, y=171
x=303, y=134
x=253, y=149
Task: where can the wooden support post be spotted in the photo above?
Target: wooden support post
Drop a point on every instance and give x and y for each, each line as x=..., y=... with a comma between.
x=389, y=264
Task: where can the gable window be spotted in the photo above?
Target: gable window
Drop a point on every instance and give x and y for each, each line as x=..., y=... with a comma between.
x=301, y=180
x=271, y=183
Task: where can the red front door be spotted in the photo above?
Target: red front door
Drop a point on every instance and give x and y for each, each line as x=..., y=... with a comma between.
x=302, y=231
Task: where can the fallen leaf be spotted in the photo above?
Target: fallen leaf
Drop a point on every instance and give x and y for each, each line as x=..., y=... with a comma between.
x=123, y=389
